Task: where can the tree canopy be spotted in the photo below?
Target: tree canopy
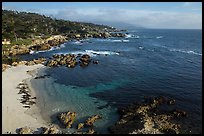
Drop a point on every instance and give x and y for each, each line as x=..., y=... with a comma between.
x=27, y=25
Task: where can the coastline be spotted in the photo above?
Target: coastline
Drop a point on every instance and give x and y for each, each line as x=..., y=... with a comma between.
x=14, y=114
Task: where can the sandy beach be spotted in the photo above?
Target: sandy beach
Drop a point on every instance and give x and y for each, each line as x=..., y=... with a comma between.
x=14, y=115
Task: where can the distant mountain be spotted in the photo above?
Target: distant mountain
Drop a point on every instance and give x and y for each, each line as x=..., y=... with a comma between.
x=121, y=25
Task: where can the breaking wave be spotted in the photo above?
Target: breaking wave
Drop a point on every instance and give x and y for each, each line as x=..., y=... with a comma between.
x=92, y=52
x=51, y=49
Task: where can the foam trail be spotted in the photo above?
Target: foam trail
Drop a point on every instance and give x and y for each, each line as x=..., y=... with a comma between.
x=92, y=52
x=159, y=37
x=120, y=40
x=102, y=52
x=129, y=36
x=51, y=49
x=188, y=52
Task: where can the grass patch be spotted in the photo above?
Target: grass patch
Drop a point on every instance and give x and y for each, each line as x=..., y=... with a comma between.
x=27, y=41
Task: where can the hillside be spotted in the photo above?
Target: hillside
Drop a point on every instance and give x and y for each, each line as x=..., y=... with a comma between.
x=28, y=25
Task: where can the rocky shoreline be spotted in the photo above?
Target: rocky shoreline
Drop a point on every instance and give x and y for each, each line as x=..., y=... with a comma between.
x=55, y=41
x=69, y=60
x=142, y=118
x=150, y=117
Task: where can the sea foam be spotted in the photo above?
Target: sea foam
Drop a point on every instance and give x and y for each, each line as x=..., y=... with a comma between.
x=91, y=52
x=51, y=49
x=188, y=52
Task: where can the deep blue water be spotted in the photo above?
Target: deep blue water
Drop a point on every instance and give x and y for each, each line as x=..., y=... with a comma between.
x=149, y=62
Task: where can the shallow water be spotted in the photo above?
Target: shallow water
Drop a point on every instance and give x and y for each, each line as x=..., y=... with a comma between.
x=147, y=62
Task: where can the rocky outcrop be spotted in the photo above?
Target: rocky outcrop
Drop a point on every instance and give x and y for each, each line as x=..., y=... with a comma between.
x=52, y=63
x=25, y=130
x=92, y=119
x=117, y=34
x=14, y=64
x=22, y=63
x=70, y=60
x=51, y=130
x=38, y=45
x=148, y=118
x=58, y=60
x=29, y=63
x=26, y=98
x=95, y=62
x=80, y=126
x=91, y=131
x=67, y=118
x=19, y=50
x=41, y=130
x=5, y=66
x=85, y=60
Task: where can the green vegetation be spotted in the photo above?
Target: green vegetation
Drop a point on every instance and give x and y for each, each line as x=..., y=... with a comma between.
x=22, y=25
x=9, y=60
x=27, y=41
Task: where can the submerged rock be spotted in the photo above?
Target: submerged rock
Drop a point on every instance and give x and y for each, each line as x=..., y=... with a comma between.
x=96, y=62
x=171, y=102
x=179, y=113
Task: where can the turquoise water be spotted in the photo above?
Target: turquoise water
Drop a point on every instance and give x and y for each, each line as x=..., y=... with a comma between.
x=59, y=97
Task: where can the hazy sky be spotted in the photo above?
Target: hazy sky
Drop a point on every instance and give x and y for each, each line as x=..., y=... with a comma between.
x=178, y=15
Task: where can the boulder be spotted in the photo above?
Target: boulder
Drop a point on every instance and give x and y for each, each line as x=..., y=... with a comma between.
x=105, y=35
x=4, y=67
x=30, y=63
x=51, y=130
x=22, y=63
x=91, y=120
x=67, y=118
x=44, y=47
x=25, y=130
x=37, y=61
x=52, y=42
x=14, y=64
x=23, y=51
x=85, y=59
x=56, y=56
x=91, y=131
x=52, y=63
x=96, y=62
x=80, y=126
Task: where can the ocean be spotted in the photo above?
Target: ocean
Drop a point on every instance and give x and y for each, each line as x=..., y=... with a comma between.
x=148, y=62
